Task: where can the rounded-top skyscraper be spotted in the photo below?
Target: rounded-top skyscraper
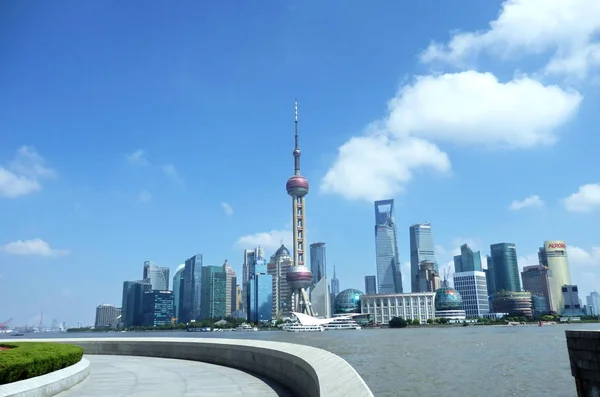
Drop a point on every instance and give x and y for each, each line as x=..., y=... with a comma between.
x=298, y=277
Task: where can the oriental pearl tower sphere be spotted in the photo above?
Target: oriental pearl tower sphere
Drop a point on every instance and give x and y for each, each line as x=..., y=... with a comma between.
x=298, y=277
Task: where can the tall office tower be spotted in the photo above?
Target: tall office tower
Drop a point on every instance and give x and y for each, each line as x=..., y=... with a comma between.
x=318, y=261
x=230, y=283
x=132, y=310
x=278, y=267
x=298, y=277
x=334, y=290
x=192, y=288
x=536, y=279
x=554, y=256
x=370, y=285
x=468, y=260
x=421, y=249
x=428, y=279
x=158, y=308
x=389, y=276
x=472, y=287
x=213, y=292
x=178, y=284
x=593, y=302
x=250, y=256
x=238, y=297
x=107, y=316
x=489, y=276
x=259, y=300
x=158, y=276
x=506, y=267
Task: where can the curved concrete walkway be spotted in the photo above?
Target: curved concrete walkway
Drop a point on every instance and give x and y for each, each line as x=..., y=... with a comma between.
x=124, y=376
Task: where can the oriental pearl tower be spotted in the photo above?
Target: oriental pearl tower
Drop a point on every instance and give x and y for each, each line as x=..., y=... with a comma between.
x=298, y=277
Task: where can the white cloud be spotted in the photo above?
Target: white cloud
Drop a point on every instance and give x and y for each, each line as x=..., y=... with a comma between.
x=171, y=172
x=531, y=201
x=34, y=247
x=565, y=30
x=586, y=199
x=270, y=241
x=23, y=174
x=227, y=208
x=139, y=157
x=582, y=258
x=464, y=108
x=145, y=196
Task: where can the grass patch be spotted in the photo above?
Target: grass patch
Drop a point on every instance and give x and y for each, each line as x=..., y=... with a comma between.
x=24, y=360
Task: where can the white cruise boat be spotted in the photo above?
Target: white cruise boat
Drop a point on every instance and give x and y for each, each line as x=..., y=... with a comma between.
x=297, y=327
x=338, y=323
x=246, y=327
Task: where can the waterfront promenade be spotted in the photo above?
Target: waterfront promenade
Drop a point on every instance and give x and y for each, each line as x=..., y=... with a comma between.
x=124, y=376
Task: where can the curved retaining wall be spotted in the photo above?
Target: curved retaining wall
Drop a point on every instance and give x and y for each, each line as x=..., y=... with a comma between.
x=50, y=384
x=306, y=371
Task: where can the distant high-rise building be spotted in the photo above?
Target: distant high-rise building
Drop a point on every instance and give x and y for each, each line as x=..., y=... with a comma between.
x=260, y=293
x=250, y=256
x=421, y=249
x=489, y=276
x=192, y=289
x=472, y=287
x=370, y=285
x=278, y=267
x=107, y=316
x=593, y=303
x=318, y=261
x=213, y=292
x=158, y=308
x=238, y=297
x=231, y=293
x=553, y=255
x=334, y=290
x=572, y=304
x=158, y=276
x=428, y=279
x=178, y=284
x=132, y=310
x=320, y=298
x=467, y=261
x=536, y=279
x=505, y=267
x=389, y=276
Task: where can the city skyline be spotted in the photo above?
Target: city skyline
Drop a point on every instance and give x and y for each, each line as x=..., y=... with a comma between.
x=120, y=151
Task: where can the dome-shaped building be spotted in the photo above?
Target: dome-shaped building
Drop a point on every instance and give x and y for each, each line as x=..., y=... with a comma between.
x=282, y=251
x=449, y=304
x=347, y=301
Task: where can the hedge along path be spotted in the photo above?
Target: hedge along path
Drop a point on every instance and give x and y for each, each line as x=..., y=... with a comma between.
x=24, y=360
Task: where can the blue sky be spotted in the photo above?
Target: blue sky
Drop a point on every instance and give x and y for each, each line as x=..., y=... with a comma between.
x=154, y=131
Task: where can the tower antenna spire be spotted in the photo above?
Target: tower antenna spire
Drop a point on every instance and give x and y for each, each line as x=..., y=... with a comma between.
x=296, y=146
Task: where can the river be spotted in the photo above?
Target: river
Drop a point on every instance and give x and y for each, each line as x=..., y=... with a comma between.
x=527, y=361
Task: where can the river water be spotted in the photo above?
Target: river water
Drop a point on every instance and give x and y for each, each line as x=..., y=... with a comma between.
x=527, y=361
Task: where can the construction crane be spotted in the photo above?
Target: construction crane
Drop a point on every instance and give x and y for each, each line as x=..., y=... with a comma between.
x=4, y=325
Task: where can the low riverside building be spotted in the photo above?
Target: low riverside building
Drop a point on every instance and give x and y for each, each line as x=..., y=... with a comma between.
x=414, y=306
x=514, y=303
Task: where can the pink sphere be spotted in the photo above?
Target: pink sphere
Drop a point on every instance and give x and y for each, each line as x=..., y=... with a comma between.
x=298, y=277
x=297, y=186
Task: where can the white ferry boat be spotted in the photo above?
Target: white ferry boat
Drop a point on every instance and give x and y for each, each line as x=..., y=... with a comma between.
x=246, y=327
x=297, y=327
x=341, y=323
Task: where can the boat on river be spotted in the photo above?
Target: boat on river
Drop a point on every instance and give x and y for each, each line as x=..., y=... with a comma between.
x=297, y=327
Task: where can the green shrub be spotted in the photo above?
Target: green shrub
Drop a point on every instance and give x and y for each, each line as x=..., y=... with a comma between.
x=28, y=359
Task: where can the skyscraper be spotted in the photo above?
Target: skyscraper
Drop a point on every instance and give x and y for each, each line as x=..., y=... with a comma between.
x=421, y=249
x=536, y=279
x=370, y=285
x=278, y=267
x=298, y=277
x=318, y=261
x=158, y=308
x=260, y=293
x=554, y=256
x=505, y=267
x=213, y=292
x=593, y=303
x=230, y=294
x=250, y=256
x=132, y=310
x=106, y=316
x=158, y=276
x=389, y=276
x=192, y=283
x=472, y=287
x=178, y=284
x=468, y=260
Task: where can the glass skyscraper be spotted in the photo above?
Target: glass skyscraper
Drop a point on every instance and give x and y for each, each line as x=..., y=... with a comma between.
x=389, y=276
x=318, y=261
x=192, y=283
x=260, y=293
x=213, y=292
x=468, y=260
x=158, y=308
x=178, y=290
x=370, y=285
x=505, y=267
x=421, y=249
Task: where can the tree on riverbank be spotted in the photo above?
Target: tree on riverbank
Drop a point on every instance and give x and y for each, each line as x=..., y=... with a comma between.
x=398, y=322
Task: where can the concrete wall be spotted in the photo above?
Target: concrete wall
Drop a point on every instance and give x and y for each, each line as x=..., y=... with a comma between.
x=306, y=371
x=584, y=355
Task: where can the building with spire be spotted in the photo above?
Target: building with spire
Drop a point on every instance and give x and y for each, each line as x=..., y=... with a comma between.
x=278, y=266
x=298, y=277
x=335, y=288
